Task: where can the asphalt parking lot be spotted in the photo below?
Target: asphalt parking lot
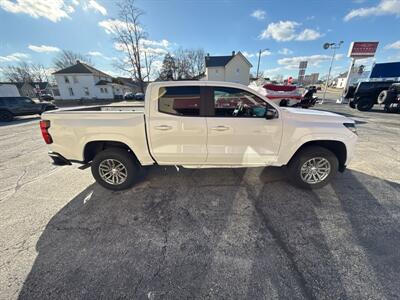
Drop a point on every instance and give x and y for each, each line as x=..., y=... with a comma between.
x=219, y=233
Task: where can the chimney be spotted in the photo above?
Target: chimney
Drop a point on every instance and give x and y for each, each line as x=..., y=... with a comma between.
x=78, y=61
x=208, y=54
x=233, y=53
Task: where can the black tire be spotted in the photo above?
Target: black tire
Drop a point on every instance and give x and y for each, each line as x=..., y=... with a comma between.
x=303, y=156
x=122, y=156
x=6, y=116
x=365, y=104
x=349, y=92
x=352, y=105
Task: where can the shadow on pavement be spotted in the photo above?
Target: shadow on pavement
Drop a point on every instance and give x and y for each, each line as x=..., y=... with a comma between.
x=231, y=233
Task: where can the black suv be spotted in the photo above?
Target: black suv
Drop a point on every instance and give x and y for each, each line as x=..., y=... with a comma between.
x=365, y=94
x=21, y=106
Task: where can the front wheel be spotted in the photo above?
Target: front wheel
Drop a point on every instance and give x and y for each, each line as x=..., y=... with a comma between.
x=6, y=116
x=115, y=169
x=313, y=167
x=365, y=104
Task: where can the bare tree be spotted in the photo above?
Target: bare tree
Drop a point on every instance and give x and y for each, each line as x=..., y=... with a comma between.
x=196, y=62
x=24, y=72
x=129, y=38
x=67, y=58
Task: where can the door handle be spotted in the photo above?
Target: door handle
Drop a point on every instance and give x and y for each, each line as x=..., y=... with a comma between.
x=163, y=127
x=220, y=128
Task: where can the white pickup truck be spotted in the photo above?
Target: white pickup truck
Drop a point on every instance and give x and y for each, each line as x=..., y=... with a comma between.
x=200, y=124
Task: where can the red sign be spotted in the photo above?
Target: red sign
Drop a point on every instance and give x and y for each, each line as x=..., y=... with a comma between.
x=362, y=49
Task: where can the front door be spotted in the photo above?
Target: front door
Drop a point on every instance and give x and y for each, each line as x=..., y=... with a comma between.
x=238, y=132
x=178, y=131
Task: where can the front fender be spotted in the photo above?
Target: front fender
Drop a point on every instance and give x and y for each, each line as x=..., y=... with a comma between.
x=288, y=151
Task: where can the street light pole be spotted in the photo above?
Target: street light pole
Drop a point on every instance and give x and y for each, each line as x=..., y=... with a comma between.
x=333, y=46
x=259, y=57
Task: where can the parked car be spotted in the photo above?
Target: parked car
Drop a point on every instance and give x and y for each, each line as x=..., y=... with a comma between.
x=200, y=124
x=139, y=96
x=365, y=95
x=46, y=97
x=21, y=106
x=129, y=96
x=390, y=98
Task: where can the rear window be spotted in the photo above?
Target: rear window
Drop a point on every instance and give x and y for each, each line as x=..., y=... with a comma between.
x=180, y=100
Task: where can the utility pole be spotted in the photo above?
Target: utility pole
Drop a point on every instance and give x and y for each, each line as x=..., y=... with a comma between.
x=333, y=46
x=259, y=57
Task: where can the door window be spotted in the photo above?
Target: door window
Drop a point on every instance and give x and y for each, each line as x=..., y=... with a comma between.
x=71, y=91
x=180, y=101
x=232, y=102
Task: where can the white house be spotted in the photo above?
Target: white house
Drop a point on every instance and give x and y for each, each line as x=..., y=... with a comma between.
x=232, y=68
x=82, y=81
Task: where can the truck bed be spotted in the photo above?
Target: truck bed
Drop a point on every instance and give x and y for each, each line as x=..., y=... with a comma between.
x=73, y=129
x=104, y=108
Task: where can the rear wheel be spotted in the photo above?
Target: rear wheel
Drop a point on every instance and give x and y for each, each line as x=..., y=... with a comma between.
x=313, y=167
x=365, y=104
x=6, y=116
x=115, y=169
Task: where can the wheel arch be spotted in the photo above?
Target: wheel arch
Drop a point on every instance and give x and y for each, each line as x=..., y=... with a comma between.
x=94, y=147
x=336, y=147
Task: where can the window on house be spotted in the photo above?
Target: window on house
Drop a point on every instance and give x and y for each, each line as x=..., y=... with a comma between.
x=66, y=79
x=86, y=90
x=237, y=70
x=101, y=90
x=71, y=91
x=75, y=79
x=105, y=90
x=232, y=102
x=181, y=101
x=216, y=71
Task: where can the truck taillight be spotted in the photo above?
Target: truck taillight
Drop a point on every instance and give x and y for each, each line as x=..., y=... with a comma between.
x=44, y=126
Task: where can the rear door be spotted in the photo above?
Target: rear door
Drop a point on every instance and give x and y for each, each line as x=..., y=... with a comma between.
x=178, y=130
x=238, y=132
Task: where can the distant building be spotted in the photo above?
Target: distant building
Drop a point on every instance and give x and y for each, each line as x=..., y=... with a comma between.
x=232, y=68
x=341, y=80
x=8, y=90
x=31, y=89
x=82, y=81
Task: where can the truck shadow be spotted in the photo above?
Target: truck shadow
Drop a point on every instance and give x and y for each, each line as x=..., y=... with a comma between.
x=231, y=233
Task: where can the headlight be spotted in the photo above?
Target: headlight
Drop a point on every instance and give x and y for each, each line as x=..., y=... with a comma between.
x=351, y=127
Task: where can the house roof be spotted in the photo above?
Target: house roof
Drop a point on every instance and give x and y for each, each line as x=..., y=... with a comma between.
x=126, y=81
x=218, y=61
x=222, y=61
x=103, y=82
x=81, y=68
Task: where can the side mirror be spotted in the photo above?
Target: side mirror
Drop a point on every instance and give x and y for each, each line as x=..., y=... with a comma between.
x=270, y=114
